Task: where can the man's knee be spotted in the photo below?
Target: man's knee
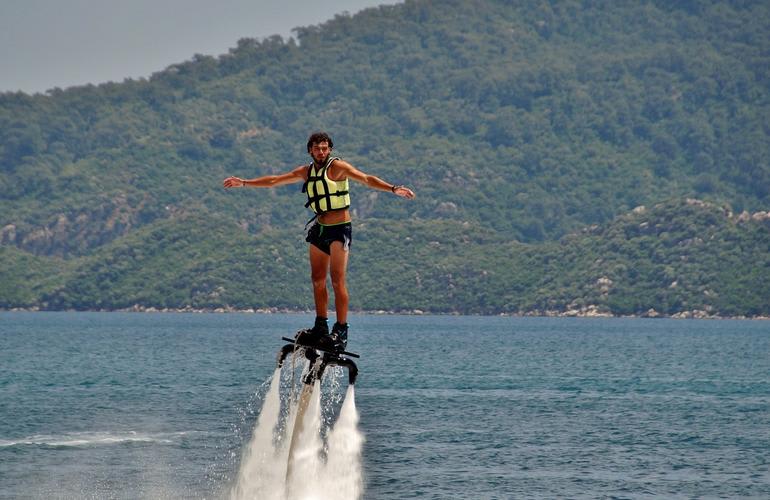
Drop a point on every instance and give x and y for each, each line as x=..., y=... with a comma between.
x=338, y=282
x=319, y=281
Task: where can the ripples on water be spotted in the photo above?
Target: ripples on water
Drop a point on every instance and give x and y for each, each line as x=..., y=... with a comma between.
x=113, y=405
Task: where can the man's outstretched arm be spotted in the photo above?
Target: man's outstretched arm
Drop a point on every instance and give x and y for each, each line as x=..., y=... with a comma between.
x=344, y=169
x=296, y=175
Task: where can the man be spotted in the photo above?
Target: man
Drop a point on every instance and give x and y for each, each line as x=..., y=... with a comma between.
x=328, y=195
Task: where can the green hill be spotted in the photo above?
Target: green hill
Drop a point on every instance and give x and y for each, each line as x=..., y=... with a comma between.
x=675, y=257
x=517, y=123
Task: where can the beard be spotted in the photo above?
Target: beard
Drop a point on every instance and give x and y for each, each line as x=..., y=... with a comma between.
x=321, y=159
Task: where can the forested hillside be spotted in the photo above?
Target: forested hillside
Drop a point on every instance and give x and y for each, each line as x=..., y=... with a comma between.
x=518, y=124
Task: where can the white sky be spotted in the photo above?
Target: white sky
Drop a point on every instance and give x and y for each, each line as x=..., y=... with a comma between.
x=60, y=43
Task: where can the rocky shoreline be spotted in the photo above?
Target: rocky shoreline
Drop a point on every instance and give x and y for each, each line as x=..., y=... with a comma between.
x=584, y=312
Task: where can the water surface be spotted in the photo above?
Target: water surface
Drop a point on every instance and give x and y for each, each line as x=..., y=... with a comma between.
x=127, y=405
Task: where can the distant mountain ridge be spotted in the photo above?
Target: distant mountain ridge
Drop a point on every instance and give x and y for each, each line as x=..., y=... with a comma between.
x=523, y=121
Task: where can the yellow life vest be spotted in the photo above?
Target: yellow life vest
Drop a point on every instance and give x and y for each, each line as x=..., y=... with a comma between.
x=324, y=194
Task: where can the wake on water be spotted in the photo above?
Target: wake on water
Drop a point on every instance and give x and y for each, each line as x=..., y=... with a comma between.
x=326, y=461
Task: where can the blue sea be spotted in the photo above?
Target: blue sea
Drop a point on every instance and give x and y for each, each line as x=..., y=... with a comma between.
x=161, y=405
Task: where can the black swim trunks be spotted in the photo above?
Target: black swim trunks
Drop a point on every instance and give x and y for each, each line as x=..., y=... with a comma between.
x=322, y=236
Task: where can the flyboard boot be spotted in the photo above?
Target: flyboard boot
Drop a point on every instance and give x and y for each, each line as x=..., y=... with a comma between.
x=337, y=340
x=313, y=336
x=340, y=337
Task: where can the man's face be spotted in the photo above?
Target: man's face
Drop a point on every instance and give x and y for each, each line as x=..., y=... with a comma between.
x=320, y=151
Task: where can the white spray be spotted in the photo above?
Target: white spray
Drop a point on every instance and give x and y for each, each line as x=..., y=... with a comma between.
x=266, y=472
x=343, y=472
x=305, y=465
x=260, y=470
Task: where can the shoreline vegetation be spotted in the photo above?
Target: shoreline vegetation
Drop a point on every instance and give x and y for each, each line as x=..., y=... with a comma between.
x=588, y=312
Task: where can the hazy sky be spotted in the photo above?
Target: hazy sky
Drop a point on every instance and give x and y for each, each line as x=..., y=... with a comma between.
x=60, y=43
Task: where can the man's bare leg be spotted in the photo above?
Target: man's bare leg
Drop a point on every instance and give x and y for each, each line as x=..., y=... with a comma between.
x=338, y=266
x=319, y=268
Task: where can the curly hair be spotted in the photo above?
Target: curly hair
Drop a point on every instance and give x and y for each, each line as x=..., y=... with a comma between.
x=318, y=137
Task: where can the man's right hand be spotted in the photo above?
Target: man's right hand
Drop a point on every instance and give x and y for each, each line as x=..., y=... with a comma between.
x=231, y=182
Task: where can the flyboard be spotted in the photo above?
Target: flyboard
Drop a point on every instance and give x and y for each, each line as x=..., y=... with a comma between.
x=319, y=358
